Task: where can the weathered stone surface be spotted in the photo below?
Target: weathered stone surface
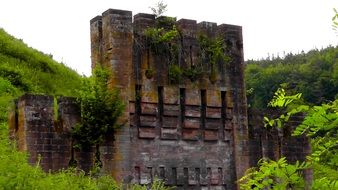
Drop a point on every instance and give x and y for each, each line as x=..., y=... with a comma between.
x=193, y=134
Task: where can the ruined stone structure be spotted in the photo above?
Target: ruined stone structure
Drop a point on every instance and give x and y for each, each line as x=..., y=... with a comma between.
x=191, y=134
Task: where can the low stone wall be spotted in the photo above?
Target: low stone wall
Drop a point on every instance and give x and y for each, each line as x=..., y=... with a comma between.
x=42, y=129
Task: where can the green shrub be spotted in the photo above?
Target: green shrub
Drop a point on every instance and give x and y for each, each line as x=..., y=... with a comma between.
x=274, y=175
x=174, y=73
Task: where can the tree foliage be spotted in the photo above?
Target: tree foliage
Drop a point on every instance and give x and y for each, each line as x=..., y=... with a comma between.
x=274, y=175
x=314, y=74
x=320, y=124
x=100, y=109
x=159, y=8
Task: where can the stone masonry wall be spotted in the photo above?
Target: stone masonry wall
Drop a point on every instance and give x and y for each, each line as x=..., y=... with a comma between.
x=192, y=134
x=41, y=125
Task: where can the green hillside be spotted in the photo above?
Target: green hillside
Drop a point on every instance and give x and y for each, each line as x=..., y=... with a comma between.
x=314, y=74
x=24, y=69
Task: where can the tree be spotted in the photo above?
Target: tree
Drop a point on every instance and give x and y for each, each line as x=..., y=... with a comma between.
x=159, y=9
x=321, y=125
x=100, y=110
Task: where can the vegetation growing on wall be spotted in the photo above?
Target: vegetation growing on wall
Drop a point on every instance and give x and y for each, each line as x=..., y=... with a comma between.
x=165, y=40
x=100, y=110
x=320, y=125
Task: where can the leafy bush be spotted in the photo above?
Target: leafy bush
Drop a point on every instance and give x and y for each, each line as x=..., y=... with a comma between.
x=174, y=73
x=321, y=125
x=274, y=175
x=100, y=109
x=212, y=50
x=193, y=73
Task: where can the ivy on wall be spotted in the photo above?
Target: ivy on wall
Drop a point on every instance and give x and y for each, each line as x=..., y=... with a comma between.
x=164, y=40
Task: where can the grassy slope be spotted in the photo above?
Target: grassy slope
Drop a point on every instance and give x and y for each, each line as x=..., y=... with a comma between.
x=24, y=69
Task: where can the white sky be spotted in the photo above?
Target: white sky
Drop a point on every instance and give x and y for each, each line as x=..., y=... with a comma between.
x=61, y=27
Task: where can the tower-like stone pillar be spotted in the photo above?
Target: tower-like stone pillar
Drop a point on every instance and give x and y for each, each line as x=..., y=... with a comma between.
x=96, y=41
x=232, y=36
x=112, y=44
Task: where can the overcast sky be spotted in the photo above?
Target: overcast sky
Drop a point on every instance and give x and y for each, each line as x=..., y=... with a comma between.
x=61, y=27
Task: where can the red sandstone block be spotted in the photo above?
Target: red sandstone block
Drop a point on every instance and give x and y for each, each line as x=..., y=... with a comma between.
x=213, y=112
x=146, y=132
x=170, y=95
x=188, y=27
x=131, y=107
x=190, y=134
x=170, y=122
x=149, y=108
x=192, y=97
x=192, y=123
x=169, y=134
x=211, y=135
x=228, y=125
x=171, y=110
x=214, y=180
x=47, y=148
x=229, y=113
x=227, y=135
x=148, y=120
x=132, y=120
x=211, y=123
x=214, y=98
x=193, y=110
x=229, y=100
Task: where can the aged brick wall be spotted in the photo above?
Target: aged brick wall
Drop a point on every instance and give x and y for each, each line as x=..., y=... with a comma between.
x=193, y=134
x=276, y=143
x=43, y=133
